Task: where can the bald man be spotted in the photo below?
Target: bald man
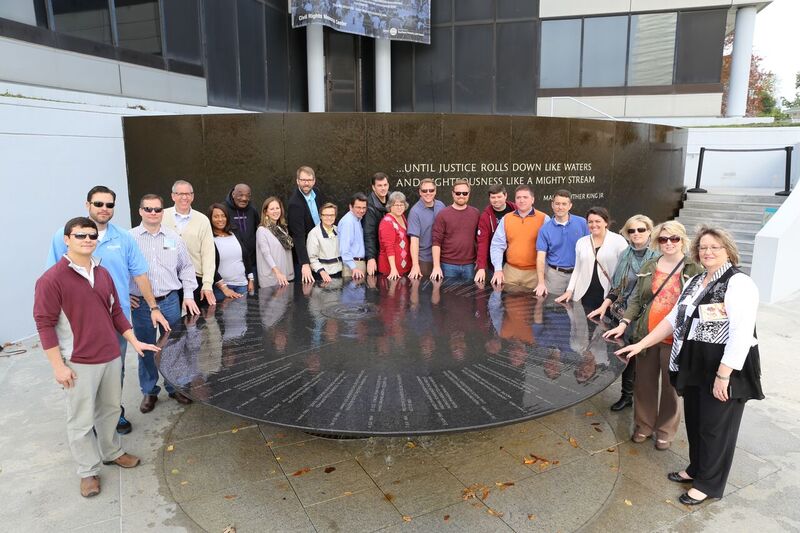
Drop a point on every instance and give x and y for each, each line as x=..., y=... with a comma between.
x=244, y=219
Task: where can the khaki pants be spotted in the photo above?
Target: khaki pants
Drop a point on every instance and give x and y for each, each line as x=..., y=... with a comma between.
x=517, y=276
x=556, y=282
x=654, y=412
x=93, y=402
x=360, y=265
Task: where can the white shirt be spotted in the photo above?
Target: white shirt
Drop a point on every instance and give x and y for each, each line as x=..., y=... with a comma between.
x=182, y=220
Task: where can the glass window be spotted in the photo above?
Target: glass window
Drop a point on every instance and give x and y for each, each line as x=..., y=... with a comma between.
x=252, y=63
x=509, y=9
x=277, y=59
x=441, y=11
x=605, y=42
x=516, y=74
x=472, y=71
x=182, y=29
x=652, y=49
x=699, y=49
x=474, y=9
x=88, y=19
x=139, y=25
x=560, y=53
x=433, y=72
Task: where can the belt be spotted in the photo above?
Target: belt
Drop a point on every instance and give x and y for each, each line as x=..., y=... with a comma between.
x=561, y=269
x=358, y=259
x=162, y=298
x=329, y=261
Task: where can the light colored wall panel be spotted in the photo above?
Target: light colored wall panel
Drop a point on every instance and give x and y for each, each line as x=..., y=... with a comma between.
x=19, y=10
x=674, y=105
x=613, y=105
x=143, y=82
x=39, y=65
x=660, y=5
x=569, y=8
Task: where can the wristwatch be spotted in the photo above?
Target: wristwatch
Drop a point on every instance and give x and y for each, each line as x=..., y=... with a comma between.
x=154, y=308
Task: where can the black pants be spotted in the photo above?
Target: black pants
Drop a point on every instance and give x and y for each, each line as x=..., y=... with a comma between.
x=712, y=427
x=628, y=377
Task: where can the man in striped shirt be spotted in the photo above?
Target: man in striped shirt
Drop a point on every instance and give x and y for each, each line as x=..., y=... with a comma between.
x=170, y=272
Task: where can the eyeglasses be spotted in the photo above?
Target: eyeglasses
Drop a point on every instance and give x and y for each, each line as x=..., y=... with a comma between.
x=712, y=249
x=82, y=236
x=461, y=193
x=307, y=180
x=631, y=231
x=183, y=194
x=427, y=191
x=674, y=239
x=326, y=215
x=109, y=205
x=152, y=209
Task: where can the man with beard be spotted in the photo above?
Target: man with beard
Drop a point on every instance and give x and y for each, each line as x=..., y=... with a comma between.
x=303, y=214
x=120, y=255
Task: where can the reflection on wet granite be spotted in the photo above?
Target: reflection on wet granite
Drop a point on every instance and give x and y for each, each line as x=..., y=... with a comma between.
x=390, y=358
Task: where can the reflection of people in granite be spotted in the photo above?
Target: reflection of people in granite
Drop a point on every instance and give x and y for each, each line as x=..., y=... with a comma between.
x=588, y=342
x=273, y=303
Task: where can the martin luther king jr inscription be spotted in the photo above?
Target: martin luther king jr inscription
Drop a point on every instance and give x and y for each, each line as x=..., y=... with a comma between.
x=627, y=167
x=390, y=357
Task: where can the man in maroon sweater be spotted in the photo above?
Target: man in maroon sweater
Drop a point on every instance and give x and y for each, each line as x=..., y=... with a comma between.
x=453, y=237
x=498, y=207
x=78, y=316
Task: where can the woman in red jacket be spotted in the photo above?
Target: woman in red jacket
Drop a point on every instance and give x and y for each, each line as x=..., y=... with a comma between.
x=394, y=257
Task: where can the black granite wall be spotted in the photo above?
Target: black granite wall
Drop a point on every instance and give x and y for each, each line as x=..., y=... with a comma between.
x=626, y=167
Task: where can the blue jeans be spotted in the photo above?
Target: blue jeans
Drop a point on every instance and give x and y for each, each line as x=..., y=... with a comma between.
x=458, y=272
x=145, y=332
x=240, y=289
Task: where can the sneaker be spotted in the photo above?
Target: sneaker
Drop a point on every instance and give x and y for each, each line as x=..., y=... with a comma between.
x=124, y=426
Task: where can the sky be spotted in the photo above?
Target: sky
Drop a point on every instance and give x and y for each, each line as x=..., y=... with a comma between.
x=777, y=41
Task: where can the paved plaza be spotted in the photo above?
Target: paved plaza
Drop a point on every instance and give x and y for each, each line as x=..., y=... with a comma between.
x=204, y=470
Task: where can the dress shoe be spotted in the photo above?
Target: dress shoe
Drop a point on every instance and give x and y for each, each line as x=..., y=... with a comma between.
x=677, y=478
x=90, y=486
x=148, y=403
x=662, y=445
x=125, y=460
x=639, y=438
x=180, y=398
x=124, y=426
x=622, y=403
x=685, y=499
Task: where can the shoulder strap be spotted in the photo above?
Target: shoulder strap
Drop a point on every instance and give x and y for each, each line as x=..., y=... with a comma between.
x=663, y=283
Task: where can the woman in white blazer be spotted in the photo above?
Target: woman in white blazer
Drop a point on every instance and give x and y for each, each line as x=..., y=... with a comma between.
x=596, y=257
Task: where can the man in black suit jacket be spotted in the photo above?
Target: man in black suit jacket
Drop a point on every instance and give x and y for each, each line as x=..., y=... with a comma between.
x=303, y=214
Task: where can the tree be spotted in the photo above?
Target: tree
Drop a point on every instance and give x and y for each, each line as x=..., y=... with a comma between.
x=796, y=101
x=761, y=98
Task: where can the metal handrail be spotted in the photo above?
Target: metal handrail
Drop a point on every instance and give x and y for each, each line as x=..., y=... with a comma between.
x=584, y=104
x=787, y=185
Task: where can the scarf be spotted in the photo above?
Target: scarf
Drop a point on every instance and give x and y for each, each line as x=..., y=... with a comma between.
x=282, y=234
x=631, y=260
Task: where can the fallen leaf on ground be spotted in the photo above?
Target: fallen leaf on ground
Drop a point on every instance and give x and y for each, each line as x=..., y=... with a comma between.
x=573, y=442
x=595, y=423
x=170, y=448
x=628, y=502
x=184, y=482
x=588, y=413
x=556, y=462
x=278, y=458
x=531, y=517
x=494, y=513
x=485, y=493
x=612, y=449
x=528, y=461
x=389, y=497
x=279, y=435
x=410, y=444
x=304, y=470
x=406, y=518
x=348, y=493
x=229, y=529
x=504, y=485
x=175, y=471
x=329, y=469
x=235, y=429
x=597, y=429
x=446, y=517
x=230, y=496
x=269, y=443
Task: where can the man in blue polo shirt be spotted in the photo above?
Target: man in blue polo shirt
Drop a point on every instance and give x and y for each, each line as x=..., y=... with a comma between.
x=420, y=225
x=555, y=246
x=120, y=255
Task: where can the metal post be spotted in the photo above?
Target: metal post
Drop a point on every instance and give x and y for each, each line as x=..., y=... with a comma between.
x=699, y=172
x=315, y=63
x=788, y=183
x=383, y=75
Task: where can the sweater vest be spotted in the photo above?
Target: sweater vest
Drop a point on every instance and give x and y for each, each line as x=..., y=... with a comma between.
x=521, y=234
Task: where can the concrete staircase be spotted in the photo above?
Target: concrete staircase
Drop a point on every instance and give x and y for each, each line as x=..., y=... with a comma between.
x=739, y=211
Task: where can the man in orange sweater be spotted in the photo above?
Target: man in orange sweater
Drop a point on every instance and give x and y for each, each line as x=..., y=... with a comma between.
x=516, y=238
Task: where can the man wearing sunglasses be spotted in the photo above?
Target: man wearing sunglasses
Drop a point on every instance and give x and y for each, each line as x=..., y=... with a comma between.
x=122, y=258
x=453, y=237
x=555, y=246
x=420, y=225
x=171, y=272
x=79, y=316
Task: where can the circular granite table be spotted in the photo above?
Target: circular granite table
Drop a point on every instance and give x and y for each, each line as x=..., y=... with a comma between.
x=389, y=358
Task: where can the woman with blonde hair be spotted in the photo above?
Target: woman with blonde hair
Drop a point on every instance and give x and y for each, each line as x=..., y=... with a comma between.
x=273, y=245
x=637, y=231
x=659, y=285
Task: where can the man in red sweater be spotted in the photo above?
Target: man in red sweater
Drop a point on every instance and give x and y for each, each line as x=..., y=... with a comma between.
x=453, y=237
x=78, y=316
x=498, y=207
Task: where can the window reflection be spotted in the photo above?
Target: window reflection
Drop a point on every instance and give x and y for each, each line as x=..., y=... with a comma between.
x=139, y=25
x=652, y=49
x=88, y=19
x=560, y=53
x=604, y=46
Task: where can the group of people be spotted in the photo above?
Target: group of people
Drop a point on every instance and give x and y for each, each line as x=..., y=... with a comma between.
x=687, y=312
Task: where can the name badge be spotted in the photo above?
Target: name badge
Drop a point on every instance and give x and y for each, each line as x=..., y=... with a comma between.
x=169, y=244
x=713, y=312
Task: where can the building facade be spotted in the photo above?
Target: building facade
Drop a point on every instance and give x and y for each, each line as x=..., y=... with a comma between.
x=622, y=58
